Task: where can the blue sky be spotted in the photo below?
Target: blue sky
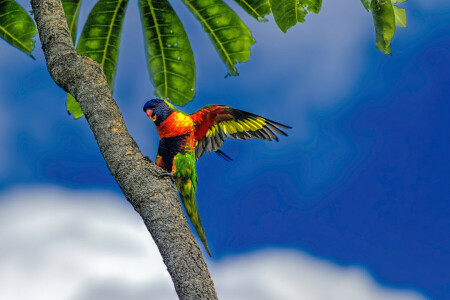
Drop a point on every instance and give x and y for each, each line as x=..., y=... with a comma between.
x=362, y=179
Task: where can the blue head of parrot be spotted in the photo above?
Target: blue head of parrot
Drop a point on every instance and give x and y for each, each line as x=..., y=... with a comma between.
x=158, y=110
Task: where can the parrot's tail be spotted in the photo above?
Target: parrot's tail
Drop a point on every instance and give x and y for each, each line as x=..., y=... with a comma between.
x=187, y=195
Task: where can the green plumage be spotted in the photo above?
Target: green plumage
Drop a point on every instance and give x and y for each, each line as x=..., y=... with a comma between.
x=185, y=177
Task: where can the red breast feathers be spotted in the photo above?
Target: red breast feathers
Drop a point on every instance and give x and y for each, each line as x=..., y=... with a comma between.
x=176, y=124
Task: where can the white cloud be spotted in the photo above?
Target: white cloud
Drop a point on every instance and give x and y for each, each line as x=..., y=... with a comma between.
x=282, y=274
x=61, y=244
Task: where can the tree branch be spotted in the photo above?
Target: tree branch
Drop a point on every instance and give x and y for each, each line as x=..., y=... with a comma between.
x=154, y=198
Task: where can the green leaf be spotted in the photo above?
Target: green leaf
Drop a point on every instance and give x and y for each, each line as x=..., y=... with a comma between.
x=73, y=107
x=169, y=54
x=384, y=21
x=400, y=16
x=72, y=11
x=256, y=8
x=372, y=4
x=16, y=26
x=287, y=13
x=100, y=39
x=385, y=17
x=313, y=6
x=229, y=35
x=369, y=4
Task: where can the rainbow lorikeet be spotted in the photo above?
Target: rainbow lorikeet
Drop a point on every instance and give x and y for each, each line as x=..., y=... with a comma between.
x=184, y=138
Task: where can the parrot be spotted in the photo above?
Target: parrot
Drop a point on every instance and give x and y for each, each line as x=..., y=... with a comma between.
x=184, y=138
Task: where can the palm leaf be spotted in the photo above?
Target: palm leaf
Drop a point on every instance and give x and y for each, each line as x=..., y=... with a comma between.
x=229, y=35
x=100, y=40
x=287, y=13
x=369, y=4
x=16, y=26
x=256, y=8
x=73, y=107
x=313, y=6
x=385, y=17
x=72, y=11
x=384, y=22
x=169, y=54
x=400, y=16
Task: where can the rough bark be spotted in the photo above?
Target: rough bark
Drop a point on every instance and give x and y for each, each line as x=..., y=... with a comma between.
x=152, y=196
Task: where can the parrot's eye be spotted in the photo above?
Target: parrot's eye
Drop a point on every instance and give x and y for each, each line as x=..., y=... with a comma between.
x=156, y=104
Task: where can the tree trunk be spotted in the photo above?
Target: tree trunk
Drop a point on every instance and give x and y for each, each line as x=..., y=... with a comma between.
x=152, y=196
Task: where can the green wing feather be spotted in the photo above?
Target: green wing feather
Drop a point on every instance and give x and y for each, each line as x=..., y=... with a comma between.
x=185, y=177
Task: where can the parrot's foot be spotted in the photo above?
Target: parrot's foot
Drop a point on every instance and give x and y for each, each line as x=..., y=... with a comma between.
x=165, y=175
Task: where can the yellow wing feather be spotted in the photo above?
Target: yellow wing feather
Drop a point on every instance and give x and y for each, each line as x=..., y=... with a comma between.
x=235, y=124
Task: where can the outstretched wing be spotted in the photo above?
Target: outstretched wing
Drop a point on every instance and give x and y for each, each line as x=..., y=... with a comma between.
x=214, y=123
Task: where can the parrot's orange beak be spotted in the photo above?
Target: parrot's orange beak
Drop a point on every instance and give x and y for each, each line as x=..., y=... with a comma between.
x=151, y=114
